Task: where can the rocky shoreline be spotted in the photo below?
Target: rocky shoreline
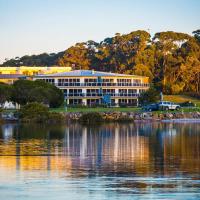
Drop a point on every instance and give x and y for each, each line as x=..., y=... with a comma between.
x=138, y=116
x=126, y=117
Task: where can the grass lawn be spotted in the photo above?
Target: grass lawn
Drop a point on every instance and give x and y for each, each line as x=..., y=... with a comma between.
x=181, y=99
x=172, y=98
x=95, y=109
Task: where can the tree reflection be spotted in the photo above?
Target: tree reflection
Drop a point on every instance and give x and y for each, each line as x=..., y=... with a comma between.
x=140, y=149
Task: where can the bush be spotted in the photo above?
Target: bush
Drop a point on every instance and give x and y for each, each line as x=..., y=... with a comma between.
x=123, y=105
x=96, y=105
x=187, y=104
x=39, y=113
x=1, y=110
x=149, y=96
x=34, y=112
x=91, y=118
x=55, y=117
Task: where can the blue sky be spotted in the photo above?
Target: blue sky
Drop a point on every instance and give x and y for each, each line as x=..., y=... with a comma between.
x=36, y=26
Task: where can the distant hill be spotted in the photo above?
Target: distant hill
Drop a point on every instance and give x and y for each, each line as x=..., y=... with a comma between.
x=170, y=59
x=43, y=59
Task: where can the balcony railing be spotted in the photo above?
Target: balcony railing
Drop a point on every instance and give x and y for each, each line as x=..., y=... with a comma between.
x=101, y=94
x=101, y=84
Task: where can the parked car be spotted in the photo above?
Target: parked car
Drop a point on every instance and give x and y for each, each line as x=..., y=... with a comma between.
x=166, y=105
x=151, y=107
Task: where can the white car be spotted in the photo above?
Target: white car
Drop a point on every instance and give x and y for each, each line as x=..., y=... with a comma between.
x=166, y=105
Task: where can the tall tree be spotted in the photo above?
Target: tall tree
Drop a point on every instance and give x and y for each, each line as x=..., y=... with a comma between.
x=79, y=56
x=5, y=92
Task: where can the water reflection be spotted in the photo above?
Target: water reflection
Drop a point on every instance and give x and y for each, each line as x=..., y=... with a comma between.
x=138, y=148
x=144, y=154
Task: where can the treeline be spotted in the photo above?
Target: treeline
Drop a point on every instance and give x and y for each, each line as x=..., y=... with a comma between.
x=170, y=59
x=43, y=59
x=27, y=91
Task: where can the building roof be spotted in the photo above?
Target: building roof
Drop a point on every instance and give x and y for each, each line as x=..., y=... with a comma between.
x=11, y=76
x=91, y=73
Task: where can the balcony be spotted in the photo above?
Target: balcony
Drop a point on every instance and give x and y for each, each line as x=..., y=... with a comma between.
x=101, y=84
x=101, y=94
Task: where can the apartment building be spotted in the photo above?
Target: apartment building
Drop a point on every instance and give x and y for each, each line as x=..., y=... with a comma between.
x=88, y=87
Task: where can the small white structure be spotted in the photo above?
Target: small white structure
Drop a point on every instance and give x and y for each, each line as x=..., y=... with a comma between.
x=10, y=105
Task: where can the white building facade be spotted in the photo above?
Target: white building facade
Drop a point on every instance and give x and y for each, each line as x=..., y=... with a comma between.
x=88, y=87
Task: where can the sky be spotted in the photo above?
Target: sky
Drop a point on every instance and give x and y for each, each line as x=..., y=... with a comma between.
x=36, y=26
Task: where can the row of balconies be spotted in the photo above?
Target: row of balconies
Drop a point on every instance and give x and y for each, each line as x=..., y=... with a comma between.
x=101, y=94
x=101, y=84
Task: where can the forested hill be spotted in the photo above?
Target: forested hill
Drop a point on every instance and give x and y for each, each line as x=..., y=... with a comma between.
x=43, y=59
x=170, y=59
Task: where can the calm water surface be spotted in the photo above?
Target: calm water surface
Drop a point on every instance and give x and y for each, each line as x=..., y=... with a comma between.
x=110, y=161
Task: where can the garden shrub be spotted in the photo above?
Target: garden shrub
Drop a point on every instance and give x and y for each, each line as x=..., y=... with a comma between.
x=91, y=118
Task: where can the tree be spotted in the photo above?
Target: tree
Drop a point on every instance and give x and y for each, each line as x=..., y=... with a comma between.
x=5, y=92
x=25, y=91
x=170, y=59
x=118, y=54
x=53, y=95
x=149, y=96
x=197, y=34
x=43, y=59
x=79, y=56
x=40, y=95
x=21, y=91
x=143, y=70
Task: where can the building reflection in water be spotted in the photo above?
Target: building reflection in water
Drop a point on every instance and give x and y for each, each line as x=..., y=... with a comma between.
x=138, y=149
x=7, y=132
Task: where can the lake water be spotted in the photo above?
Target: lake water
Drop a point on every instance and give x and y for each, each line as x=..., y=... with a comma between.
x=108, y=161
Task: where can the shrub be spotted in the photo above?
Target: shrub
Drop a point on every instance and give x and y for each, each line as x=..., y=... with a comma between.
x=149, y=96
x=55, y=117
x=34, y=112
x=123, y=105
x=91, y=118
x=1, y=110
x=96, y=105
x=187, y=104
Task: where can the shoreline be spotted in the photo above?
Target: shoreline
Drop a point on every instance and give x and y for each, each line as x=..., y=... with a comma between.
x=117, y=116
x=140, y=116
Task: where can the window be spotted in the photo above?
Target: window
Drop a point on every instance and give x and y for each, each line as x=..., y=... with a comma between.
x=141, y=90
x=124, y=80
x=106, y=80
x=136, y=81
x=49, y=80
x=132, y=91
x=75, y=92
x=108, y=91
x=122, y=90
x=75, y=101
x=122, y=101
x=90, y=80
x=92, y=92
x=69, y=80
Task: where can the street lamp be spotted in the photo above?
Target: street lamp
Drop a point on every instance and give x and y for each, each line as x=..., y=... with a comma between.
x=65, y=105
